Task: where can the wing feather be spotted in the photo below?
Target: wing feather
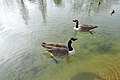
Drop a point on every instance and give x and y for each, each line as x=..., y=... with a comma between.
x=56, y=49
x=86, y=27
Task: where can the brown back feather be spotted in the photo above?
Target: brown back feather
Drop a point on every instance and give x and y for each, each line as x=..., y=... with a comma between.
x=56, y=49
x=87, y=27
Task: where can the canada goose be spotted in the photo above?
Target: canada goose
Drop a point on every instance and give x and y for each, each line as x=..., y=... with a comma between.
x=112, y=12
x=99, y=3
x=83, y=27
x=59, y=50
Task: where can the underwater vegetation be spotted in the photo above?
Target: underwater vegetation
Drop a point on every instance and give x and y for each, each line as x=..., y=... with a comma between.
x=32, y=22
x=86, y=76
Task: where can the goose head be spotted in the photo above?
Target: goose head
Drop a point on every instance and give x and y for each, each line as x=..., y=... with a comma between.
x=112, y=12
x=70, y=43
x=73, y=39
x=99, y=3
x=76, y=26
x=75, y=21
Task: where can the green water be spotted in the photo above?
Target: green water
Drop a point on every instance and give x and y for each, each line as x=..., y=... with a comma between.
x=25, y=24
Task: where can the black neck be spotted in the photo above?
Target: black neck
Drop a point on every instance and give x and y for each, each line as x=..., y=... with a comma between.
x=77, y=23
x=69, y=45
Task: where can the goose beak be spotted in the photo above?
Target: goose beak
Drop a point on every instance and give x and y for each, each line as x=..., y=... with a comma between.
x=75, y=20
x=73, y=39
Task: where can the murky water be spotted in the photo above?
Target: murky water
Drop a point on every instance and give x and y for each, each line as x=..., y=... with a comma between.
x=25, y=24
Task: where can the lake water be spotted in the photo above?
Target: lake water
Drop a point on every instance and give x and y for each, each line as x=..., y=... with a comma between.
x=25, y=24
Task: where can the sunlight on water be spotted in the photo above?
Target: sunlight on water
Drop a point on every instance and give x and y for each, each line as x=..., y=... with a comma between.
x=25, y=24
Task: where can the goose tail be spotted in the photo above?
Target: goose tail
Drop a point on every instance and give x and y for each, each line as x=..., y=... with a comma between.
x=95, y=27
x=46, y=46
x=43, y=44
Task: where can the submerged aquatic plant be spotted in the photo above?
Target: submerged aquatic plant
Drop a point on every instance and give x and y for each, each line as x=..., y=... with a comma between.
x=104, y=47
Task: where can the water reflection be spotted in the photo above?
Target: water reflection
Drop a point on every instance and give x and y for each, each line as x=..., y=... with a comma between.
x=21, y=56
x=58, y=2
x=23, y=10
x=86, y=76
x=84, y=6
x=9, y=3
x=32, y=1
x=17, y=61
x=43, y=8
x=1, y=27
x=90, y=6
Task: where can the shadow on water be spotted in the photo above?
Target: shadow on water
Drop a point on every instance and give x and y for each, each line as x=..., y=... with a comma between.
x=58, y=2
x=86, y=76
x=43, y=8
x=23, y=10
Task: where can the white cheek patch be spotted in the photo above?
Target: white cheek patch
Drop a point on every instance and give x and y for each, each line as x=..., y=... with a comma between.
x=72, y=41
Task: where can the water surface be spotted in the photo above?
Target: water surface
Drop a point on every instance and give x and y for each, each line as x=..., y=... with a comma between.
x=25, y=24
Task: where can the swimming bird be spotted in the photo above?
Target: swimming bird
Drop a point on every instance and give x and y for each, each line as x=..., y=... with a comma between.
x=83, y=27
x=112, y=12
x=99, y=3
x=59, y=50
